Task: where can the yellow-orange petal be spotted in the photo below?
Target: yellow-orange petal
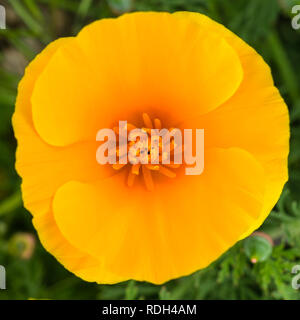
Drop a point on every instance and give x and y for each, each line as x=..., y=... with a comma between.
x=256, y=118
x=121, y=68
x=82, y=264
x=44, y=168
x=160, y=235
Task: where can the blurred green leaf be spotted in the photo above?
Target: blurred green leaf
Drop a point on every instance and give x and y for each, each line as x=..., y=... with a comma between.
x=285, y=68
x=10, y=204
x=26, y=17
x=131, y=291
x=120, y=6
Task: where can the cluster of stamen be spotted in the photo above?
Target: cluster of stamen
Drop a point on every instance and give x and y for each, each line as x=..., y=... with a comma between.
x=155, y=155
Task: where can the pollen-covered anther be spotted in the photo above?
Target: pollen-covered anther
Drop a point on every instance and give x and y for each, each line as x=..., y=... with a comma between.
x=154, y=153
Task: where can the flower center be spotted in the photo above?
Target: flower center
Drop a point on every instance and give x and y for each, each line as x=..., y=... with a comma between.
x=155, y=154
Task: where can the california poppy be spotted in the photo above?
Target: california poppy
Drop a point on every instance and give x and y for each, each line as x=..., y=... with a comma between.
x=179, y=70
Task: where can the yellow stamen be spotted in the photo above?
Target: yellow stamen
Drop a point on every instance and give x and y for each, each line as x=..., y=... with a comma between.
x=118, y=166
x=150, y=152
x=135, y=169
x=152, y=167
x=172, y=165
x=130, y=179
x=157, y=124
x=147, y=121
x=147, y=130
x=167, y=172
x=148, y=178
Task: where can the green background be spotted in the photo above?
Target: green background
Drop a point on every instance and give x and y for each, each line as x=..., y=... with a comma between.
x=264, y=24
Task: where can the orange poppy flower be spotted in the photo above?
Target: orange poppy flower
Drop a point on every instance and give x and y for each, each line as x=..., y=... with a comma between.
x=179, y=70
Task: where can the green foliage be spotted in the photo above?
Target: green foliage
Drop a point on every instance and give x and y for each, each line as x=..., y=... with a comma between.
x=257, y=248
x=266, y=25
x=120, y=6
